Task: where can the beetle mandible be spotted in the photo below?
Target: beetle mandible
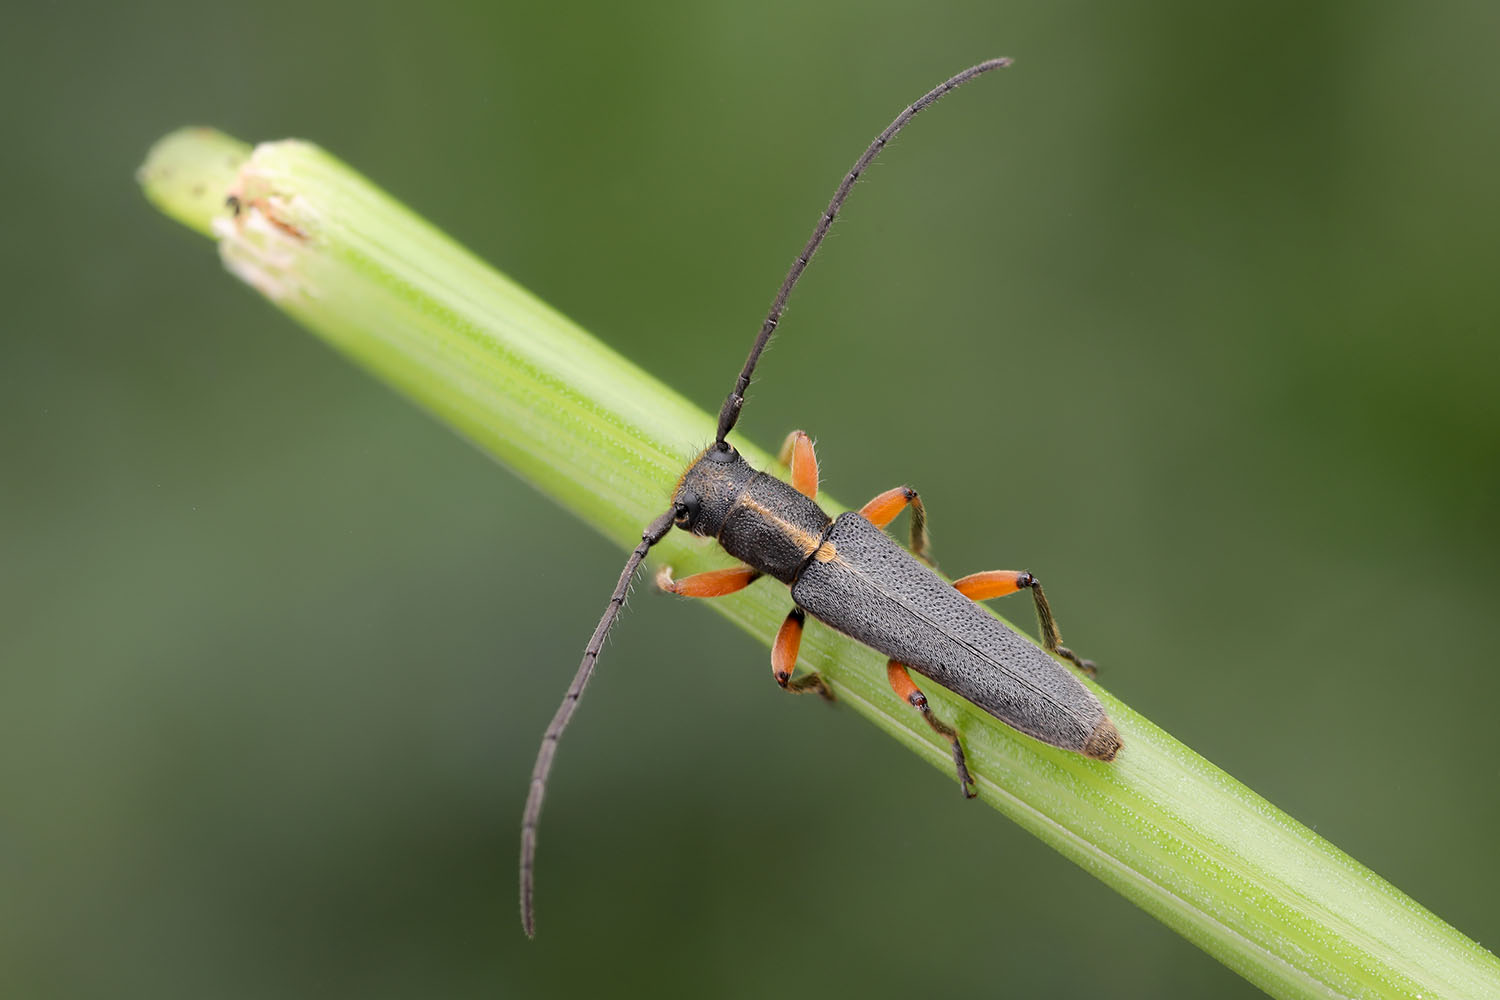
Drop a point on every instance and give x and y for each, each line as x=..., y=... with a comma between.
x=847, y=573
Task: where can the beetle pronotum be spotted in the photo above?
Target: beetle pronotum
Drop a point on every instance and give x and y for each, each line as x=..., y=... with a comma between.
x=847, y=573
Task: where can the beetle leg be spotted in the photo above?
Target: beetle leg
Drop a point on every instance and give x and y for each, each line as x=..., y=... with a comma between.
x=797, y=454
x=784, y=658
x=714, y=583
x=884, y=508
x=999, y=582
x=906, y=688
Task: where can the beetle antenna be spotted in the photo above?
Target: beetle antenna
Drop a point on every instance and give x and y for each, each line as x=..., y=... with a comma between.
x=730, y=411
x=655, y=532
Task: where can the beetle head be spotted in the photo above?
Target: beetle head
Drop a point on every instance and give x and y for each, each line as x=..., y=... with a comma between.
x=707, y=490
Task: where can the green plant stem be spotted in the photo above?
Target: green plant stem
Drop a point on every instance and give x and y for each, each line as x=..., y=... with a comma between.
x=1189, y=844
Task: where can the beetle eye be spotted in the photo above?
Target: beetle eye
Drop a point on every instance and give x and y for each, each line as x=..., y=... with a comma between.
x=688, y=506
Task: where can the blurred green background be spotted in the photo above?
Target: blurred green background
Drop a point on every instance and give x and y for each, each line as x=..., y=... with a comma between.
x=1194, y=312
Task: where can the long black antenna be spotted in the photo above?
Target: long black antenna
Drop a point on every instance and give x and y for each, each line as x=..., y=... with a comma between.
x=730, y=411
x=655, y=532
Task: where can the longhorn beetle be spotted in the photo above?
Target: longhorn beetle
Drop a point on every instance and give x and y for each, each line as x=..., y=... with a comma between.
x=847, y=573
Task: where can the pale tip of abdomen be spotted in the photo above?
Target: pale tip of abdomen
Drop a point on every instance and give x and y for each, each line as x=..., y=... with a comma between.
x=1104, y=742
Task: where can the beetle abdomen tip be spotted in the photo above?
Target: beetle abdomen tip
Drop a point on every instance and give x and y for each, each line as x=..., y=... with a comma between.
x=1104, y=742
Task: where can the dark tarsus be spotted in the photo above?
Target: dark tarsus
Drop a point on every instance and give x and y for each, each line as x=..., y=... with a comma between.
x=848, y=574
